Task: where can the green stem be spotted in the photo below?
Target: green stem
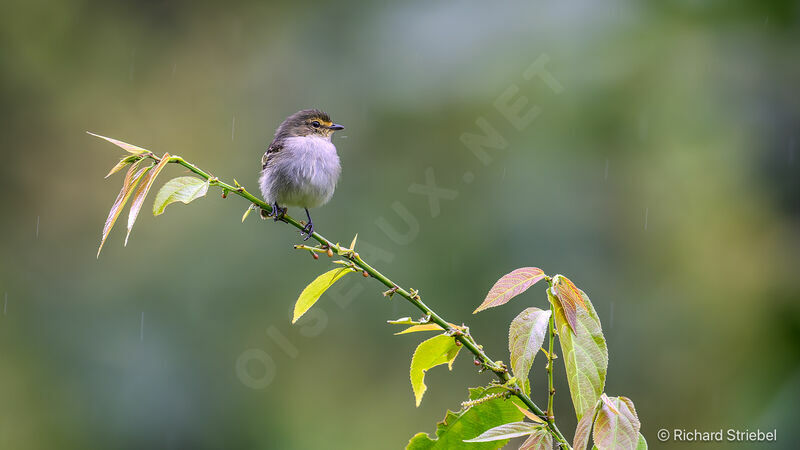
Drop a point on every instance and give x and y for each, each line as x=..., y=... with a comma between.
x=466, y=340
x=551, y=391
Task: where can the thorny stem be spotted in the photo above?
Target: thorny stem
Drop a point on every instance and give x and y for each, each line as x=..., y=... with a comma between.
x=466, y=340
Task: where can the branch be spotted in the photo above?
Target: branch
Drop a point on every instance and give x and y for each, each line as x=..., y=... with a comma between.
x=412, y=296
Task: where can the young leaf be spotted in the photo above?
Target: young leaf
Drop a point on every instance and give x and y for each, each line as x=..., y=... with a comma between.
x=431, y=353
x=510, y=285
x=424, y=327
x=584, y=351
x=507, y=431
x=314, y=291
x=569, y=296
x=403, y=321
x=124, y=145
x=141, y=193
x=246, y=211
x=525, y=337
x=122, y=163
x=181, y=189
x=353, y=244
x=540, y=440
x=584, y=428
x=469, y=422
x=132, y=178
x=616, y=430
x=530, y=415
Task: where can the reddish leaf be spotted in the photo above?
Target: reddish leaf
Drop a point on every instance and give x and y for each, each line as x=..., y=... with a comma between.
x=141, y=193
x=123, y=145
x=511, y=285
x=569, y=296
x=132, y=178
x=583, y=429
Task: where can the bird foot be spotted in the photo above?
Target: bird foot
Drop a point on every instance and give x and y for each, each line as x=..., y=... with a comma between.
x=278, y=212
x=308, y=230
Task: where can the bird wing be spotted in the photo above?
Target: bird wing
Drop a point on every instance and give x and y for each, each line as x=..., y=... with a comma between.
x=273, y=149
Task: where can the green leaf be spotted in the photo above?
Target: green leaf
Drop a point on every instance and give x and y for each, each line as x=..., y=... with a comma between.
x=469, y=422
x=584, y=351
x=123, y=145
x=540, y=440
x=642, y=444
x=246, y=211
x=314, y=291
x=122, y=163
x=181, y=189
x=584, y=428
x=416, y=328
x=616, y=430
x=353, y=244
x=431, y=353
x=506, y=431
x=525, y=337
x=132, y=178
x=141, y=193
x=511, y=285
x=569, y=296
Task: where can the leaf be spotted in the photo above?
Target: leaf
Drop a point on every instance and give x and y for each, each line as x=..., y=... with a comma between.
x=525, y=337
x=642, y=444
x=314, y=291
x=122, y=163
x=584, y=428
x=403, y=321
x=124, y=145
x=510, y=285
x=246, y=211
x=353, y=244
x=469, y=422
x=425, y=327
x=181, y=189
x=132, y=178
x=584, y=351
x=540, y=440
x=141, y=193
x=617, y=430
x=569, y=296
x=506, y=431
x=530, y=415
x=431, y=353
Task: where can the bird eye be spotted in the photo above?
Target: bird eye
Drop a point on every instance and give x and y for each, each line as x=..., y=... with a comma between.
x=315, y=124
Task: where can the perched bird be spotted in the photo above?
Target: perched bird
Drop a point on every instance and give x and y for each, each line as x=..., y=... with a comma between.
x=301, y=166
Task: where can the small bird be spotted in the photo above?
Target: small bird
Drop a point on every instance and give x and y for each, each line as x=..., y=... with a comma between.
x=301, y=166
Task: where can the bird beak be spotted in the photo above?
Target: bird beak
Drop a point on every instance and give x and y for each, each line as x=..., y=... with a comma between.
x=336, y=126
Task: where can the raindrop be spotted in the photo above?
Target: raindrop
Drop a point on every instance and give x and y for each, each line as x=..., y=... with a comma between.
x=611, y=315
x=646, y=213
x=37, y=227
x=5, y=304
x=141, y=329
x=233, y=127
x=605, y=176
x=133, y=65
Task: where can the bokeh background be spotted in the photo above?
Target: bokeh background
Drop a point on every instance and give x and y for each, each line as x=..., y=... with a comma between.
x=663, y=180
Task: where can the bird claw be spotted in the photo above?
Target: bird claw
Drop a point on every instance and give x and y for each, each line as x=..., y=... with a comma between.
x=277, y=212
x=308, y=230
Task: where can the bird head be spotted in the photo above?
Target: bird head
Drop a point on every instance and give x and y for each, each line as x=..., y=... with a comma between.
x=308, y=122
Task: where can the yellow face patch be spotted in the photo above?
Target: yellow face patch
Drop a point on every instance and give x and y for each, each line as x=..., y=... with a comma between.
x=323, y=122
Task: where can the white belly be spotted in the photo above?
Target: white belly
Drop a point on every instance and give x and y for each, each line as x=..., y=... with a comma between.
x=304, y=173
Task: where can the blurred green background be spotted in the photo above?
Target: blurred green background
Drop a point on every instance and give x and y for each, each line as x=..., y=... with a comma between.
x=663, y=180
